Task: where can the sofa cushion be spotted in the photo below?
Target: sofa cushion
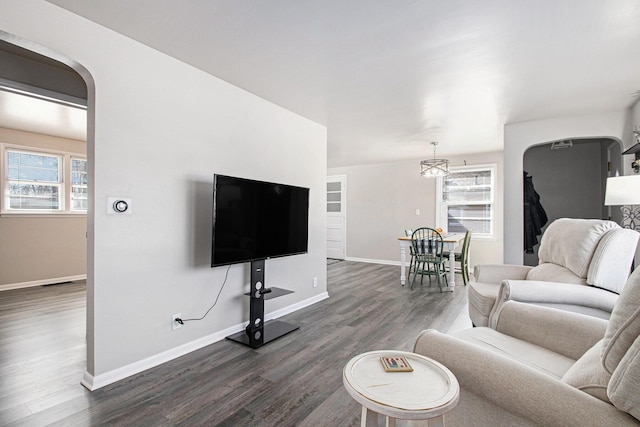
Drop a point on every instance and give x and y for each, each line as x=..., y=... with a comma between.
x=624, y=387
x=588, y=375
x=571, y=243
x=534, y=356
x=624, y=324
x=549, y=272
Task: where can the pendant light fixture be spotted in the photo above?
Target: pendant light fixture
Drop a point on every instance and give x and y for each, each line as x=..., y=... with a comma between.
x=434, y=167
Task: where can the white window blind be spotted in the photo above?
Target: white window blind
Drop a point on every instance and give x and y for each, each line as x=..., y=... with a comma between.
x=466, y=200
x=35, y=181
x=78, y=184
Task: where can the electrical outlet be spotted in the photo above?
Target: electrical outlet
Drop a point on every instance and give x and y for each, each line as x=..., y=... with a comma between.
x=174, y=323
x=315, y=282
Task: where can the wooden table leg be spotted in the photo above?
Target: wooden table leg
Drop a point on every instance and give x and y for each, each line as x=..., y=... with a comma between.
x=403, y=264
x=452, y=268
x=368, y=418
x=436, y=421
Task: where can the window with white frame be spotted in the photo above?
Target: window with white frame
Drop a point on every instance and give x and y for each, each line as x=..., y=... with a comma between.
x=466, y=200
x=78, y=184
x=38, y=181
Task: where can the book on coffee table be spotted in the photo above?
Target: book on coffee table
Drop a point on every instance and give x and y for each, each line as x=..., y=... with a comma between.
x=395, y=364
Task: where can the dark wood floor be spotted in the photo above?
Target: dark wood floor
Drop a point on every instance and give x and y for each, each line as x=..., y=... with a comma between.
x=294, y=381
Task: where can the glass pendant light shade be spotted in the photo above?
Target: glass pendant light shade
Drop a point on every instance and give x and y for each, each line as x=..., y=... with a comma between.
x=434, y=167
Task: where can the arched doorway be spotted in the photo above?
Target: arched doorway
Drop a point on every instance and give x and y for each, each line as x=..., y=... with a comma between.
x=570, y=177
x=61, y=91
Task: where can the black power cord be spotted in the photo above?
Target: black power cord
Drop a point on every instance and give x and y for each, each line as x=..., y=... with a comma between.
x=181, y=321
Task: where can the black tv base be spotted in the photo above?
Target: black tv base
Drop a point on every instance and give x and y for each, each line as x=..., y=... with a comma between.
x=272, y=330
x=259, y=332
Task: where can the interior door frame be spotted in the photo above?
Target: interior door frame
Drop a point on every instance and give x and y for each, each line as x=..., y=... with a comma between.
x=90, y=155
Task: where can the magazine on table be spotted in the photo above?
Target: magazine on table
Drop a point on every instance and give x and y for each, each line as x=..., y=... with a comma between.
x=395, y=364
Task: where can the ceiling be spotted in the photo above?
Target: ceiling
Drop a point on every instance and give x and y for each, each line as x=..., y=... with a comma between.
x=389, y=77
x=32, y=114
x=39, y=94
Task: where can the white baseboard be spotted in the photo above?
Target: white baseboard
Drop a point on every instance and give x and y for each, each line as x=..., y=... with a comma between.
x=373, y=261
x=92, y=382
x=42, y=282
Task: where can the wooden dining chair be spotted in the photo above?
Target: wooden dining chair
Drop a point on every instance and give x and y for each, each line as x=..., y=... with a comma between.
x=408, y=233
x=462, y=258
x=430, y=259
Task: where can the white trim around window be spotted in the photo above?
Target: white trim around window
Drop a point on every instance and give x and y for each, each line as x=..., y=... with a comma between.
x=39, y=182
x=466, y=200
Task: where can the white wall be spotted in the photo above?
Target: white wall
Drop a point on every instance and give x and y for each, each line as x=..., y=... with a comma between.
x=518, y=137
x=161, y=129
x=382, y=200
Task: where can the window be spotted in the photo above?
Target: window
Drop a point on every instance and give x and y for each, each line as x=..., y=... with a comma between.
x=466, y=200
x=34, y=181
x=334, y=196
x=38, y=182
x=78, y=184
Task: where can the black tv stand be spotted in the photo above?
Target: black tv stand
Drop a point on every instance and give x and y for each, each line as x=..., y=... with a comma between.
x=259, y=332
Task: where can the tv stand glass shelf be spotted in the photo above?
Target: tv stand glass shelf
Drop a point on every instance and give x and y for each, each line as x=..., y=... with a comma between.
x=275, y=293
x=258, y=332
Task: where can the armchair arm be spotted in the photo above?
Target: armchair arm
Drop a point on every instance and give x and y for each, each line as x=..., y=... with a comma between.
x=535, y=291
x=513, y=388
x=496, y=273
x=564, y=332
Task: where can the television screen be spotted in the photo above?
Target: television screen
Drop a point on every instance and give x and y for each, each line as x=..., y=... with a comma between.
x=255, y=220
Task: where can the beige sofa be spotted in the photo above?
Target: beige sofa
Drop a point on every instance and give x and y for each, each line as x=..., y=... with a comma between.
x=595, y=254
x=543, y=366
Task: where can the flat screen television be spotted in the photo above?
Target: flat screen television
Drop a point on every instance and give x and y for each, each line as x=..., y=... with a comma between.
x=254, y=220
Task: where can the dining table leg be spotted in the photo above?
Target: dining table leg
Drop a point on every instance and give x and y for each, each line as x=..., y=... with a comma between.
x=452, y=267
x=403, y=263
x=452, y=270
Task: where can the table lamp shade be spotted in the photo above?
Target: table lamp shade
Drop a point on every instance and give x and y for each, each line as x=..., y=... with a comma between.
x=622, y=190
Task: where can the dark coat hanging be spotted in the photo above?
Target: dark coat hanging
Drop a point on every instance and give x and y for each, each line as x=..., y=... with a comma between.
x=534, y=215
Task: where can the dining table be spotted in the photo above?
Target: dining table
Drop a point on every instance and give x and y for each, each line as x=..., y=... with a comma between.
x=450, y=240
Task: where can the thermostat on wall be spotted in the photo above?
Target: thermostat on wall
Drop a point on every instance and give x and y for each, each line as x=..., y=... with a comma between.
x=119, y=205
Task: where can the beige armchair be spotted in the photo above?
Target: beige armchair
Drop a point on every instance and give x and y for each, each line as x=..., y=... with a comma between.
x=596, y=255
x=543, y=366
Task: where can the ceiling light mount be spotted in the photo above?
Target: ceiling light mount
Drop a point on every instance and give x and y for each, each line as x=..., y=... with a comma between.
x=434, y=167
x=558, y=145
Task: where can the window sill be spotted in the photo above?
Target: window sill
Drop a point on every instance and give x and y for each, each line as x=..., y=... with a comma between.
x=484, y=238
x=43, y=214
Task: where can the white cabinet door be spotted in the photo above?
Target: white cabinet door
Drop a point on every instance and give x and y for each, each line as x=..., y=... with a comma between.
x=336, y=216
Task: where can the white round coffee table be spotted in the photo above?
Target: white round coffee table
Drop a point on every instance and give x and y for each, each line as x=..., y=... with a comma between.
x=428, y=392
